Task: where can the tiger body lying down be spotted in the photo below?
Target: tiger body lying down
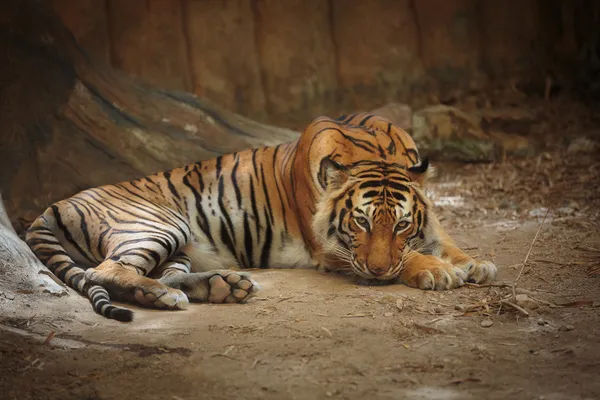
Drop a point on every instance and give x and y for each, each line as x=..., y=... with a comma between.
x=348, y=194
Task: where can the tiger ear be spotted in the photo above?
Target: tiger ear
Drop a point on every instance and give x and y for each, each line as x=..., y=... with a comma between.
x=332, y=174
x=420, y=172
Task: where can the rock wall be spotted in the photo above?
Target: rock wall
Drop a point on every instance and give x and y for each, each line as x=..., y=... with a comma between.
x=287, y=61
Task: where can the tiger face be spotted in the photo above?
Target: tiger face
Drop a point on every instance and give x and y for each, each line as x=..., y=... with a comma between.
x=370, y=217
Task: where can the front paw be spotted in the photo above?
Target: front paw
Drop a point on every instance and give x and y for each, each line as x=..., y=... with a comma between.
x=479, y=271
x=434, y=274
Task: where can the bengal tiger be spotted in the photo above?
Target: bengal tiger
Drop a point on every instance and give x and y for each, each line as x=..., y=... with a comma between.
x=347, y=195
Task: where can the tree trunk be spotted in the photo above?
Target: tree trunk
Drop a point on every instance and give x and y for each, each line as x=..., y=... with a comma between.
x=69, y=123
x=20, y=270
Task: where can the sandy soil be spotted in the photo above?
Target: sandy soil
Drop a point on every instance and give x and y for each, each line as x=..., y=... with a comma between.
x=314, y=336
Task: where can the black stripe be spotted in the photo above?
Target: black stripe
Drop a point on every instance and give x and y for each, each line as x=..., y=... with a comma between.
x=174, y=192
x=370, y=184
x=248, y=241
x=365, y=119
x=67, y=234
x=363, y=144
x=101, y=241
x=392, y=146
x=236, y=187
x=254, y=209
x=226, y=239
x=398, y=196
x=266, y=250
x=202, y=219
x=254, y=161
x=218, y=166
x=397, y=186
x=266, y=192
x=371, y=194
x=279, y=190
x=84, y=228
x=220, y=196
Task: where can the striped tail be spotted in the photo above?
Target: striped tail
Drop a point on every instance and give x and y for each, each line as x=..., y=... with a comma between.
x=44, y=244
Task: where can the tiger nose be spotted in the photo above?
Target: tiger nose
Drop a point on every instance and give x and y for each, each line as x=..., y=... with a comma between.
x=378, y=270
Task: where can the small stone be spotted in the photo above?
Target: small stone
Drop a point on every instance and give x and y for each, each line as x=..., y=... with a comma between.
x=8, y=296
x=526, y=302
x=565, y=211
x=539, y=212
x=541, y=322
x=486, y=323
x=460, y=307
x=400, y=304
x=565, y=328
x=582, y=145
x=387, y=314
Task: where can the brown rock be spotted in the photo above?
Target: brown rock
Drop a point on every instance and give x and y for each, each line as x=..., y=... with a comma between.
x=87, y=20
x=148, y=41
x=375, y=64
x=447, y=133
x=509, y=120
x=514, y=46
x=526, y=302
x=397, y=113
x=223, y=57
x=298, y=58
x=449, y=39
x=511, y=144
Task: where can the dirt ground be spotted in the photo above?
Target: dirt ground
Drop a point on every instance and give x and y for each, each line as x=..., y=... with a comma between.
x=309, y=335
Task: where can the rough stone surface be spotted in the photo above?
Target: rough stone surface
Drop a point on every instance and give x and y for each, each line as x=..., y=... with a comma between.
x=510, y=120
x=288, y=61
x=88, y=21
x=450, y=55
x=223, y=56
x=380, y=63
x=448, y=133
x=297, y=58
x=148, y=40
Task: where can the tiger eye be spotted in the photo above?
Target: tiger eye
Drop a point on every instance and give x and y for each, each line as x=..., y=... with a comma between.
x=362, y=221
x=402, y=225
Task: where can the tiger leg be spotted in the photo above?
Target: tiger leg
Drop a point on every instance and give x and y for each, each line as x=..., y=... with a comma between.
x=121, y=276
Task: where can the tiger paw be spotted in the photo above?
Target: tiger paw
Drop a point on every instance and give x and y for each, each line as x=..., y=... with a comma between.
x=479, y=271
x=219, y=286
x=164, y=297
x=434, y=274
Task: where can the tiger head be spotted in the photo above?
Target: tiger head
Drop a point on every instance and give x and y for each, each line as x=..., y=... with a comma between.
x=371, y=209
x=369, y=216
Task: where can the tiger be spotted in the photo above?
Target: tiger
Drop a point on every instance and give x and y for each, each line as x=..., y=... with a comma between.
x=348, y=196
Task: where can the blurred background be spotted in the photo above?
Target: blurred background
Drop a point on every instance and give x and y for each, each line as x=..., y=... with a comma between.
x=285, y=62
x=502, y=95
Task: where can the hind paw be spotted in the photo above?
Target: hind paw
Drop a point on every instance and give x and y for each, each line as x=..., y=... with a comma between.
x=169, y=298
x=230, y=287
x=219, y=286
